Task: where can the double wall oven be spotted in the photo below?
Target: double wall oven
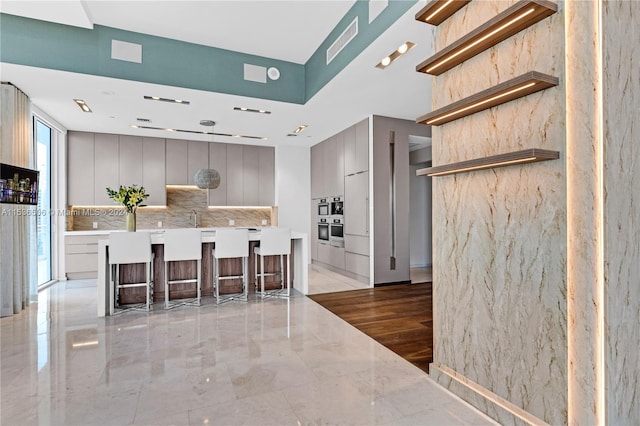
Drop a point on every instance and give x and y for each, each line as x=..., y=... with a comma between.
x=331, y=221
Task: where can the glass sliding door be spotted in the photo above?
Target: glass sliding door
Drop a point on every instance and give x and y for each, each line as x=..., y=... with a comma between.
x=43, y=136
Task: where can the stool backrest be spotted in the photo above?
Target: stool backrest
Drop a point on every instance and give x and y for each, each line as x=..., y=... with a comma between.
x=232, y=243
x=182, y=244
x=129, y=247
x=275, y=241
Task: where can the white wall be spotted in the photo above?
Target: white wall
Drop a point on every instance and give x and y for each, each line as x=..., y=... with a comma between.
x=293, y=188
x=419, y=218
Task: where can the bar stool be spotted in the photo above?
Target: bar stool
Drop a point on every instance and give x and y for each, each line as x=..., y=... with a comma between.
x=273, y=242
x=181, y=245
x=231, y=243
x=126, y=248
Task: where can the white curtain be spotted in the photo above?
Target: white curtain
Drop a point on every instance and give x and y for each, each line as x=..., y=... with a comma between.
x=17, y=248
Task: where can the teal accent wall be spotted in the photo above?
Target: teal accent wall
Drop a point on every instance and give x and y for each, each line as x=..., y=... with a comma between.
x=318, y=73
x=170, y=62
x=164, y=61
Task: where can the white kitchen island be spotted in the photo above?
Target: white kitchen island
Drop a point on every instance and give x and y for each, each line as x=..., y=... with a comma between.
x=299, y=267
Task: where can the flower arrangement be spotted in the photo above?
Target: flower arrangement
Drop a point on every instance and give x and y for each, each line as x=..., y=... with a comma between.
x=130, y=197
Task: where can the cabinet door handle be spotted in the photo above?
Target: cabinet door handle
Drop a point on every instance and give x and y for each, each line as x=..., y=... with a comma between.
x=366, y=206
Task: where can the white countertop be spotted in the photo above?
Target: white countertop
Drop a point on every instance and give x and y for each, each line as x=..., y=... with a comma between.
x=152, y=230
x=157, y=235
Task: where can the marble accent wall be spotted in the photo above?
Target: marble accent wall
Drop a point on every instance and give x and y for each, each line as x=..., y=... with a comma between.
x=181, y=203
x=500, y=292
x=621, y=40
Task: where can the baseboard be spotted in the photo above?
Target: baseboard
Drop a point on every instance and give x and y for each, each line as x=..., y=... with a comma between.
x=360, y=278
x=392, y=283
x=483, y=399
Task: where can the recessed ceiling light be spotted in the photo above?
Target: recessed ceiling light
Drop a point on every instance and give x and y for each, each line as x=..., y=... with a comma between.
x=401, y=50
x=199, y=132
x=260, y=111
x=300, y=128
x=174, y=101
x=83, y=105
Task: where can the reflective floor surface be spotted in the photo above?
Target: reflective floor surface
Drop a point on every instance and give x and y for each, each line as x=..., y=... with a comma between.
x=274, y=362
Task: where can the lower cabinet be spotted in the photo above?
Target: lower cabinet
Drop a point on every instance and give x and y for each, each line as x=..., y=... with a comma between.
x=324, y=253
x=81, y=256
x=337, y=257
x=357, y=264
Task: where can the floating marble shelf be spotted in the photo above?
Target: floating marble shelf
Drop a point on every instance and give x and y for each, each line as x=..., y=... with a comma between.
x=513, y=20
x=501, y=160
x=438, y=11
x=515, y=88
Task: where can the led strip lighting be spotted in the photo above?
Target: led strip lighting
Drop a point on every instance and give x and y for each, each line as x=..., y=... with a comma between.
x=508, y=23
x=443, y=10
x=199, y=132
x=519, y=157
x=518, y=87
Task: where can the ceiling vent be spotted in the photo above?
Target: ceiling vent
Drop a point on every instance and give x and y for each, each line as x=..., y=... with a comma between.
x=347, y=35
x=143, y=120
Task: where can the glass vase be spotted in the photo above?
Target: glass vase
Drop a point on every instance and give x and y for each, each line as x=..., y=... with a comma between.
x=131, y=221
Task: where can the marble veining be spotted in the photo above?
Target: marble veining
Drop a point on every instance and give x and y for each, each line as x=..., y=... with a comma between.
x=500, y=296
x=621, y=21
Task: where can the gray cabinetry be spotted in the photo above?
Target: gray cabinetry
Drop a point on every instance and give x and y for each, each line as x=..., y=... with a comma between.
x=197, y=158
x=330, y=148
x=251, y=178
x=153, y=170
x=267, y=176
x=337, y=257
x=314, y=230
x=106, y=167
x=317, y=171
x=177, y=162
x=324, y=253
x=218, y=161
x=81, y=256
x=356, y=202
x=339, y=165
x=130, y=162
x=356, y=148
x=80, y=166
x=235, y=174
x=357, y=264
x=250, y=175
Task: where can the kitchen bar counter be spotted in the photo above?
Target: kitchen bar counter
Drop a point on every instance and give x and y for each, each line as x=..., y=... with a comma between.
x=299, y=259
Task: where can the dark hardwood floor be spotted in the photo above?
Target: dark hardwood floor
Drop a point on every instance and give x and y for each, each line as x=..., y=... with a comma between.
x=399, y=317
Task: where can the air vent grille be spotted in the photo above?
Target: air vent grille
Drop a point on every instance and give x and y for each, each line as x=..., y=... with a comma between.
x=341, y=42
x=143, y=120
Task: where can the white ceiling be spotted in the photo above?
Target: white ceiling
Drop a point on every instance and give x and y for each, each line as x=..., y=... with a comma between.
x=288, y=30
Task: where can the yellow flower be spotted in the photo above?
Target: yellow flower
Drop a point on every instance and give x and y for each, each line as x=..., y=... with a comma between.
x=130, y=197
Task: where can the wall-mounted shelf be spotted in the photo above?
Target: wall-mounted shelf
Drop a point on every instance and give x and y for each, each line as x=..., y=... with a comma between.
x=438, y=11
x=513, y=20
x=515, y=88
x=501, y=160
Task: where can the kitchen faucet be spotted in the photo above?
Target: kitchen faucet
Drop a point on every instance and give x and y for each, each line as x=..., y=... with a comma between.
x=195, y=218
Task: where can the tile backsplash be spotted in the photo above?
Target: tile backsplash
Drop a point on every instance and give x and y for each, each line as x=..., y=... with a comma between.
x=182, y=202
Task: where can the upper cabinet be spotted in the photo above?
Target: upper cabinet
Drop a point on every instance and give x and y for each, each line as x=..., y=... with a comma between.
x=356, y=148
x=96, y=161
x=317, y=171
x=130, y=160
x=177, y=162
x=80, y=165
x=267, y=160
x=250, y=175
x=153, y=170
x=197, y=158
x=218, y=161
x=106, y=168
x=183, y=159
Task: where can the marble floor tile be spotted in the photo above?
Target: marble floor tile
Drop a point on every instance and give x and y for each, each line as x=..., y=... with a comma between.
x=264, y=362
